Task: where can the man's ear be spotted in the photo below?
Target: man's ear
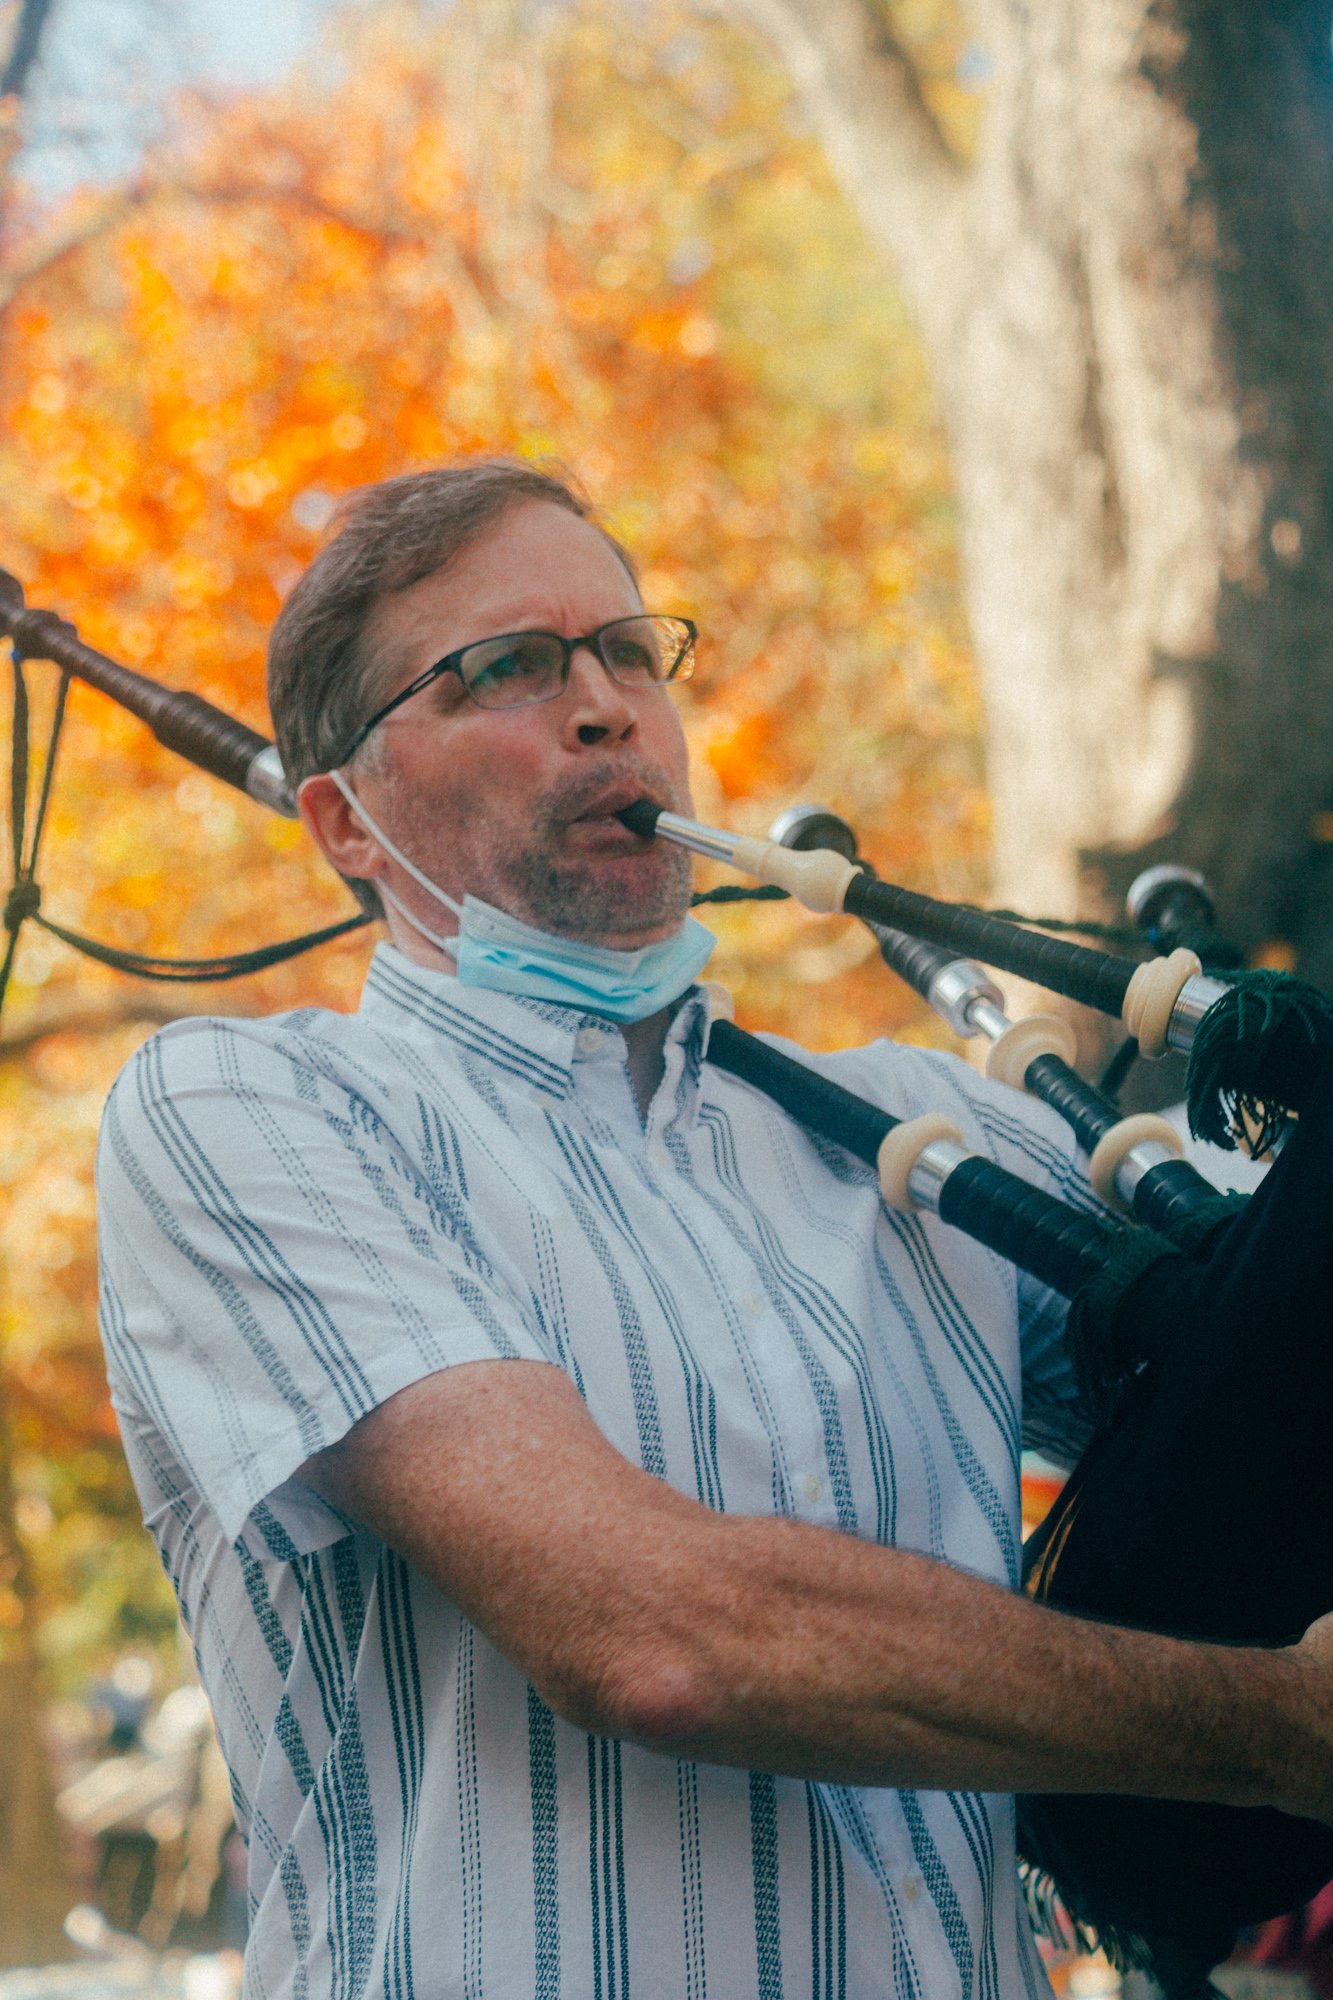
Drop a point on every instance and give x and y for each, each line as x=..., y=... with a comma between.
x=337, y=830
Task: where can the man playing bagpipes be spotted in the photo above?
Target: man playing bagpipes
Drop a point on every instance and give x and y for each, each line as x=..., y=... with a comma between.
x=689, y=1656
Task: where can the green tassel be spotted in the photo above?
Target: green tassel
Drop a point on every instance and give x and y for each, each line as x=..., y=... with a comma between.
x=1257, y=1054
x=1048, y=1915
x=1178, y=1967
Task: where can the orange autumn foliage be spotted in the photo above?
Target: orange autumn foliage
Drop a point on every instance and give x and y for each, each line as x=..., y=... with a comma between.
x=620, y=252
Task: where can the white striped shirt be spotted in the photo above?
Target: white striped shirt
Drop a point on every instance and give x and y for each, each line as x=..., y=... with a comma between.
x=301, y=1216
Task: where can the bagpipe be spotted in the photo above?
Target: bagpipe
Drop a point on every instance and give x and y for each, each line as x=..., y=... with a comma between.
x=1203, y=1506
x=1200, y=1324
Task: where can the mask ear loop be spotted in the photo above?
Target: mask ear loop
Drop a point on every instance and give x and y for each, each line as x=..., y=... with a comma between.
x=449, y=945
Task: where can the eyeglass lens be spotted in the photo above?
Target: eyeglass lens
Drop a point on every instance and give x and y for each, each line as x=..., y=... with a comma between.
x=531, y=666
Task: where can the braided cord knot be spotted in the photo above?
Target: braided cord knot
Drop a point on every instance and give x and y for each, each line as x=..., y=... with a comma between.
x=23, y=901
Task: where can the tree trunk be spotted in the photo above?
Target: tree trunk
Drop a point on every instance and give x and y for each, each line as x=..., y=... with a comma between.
x=35, y=1891
x=35, y=1885
x=1128, y=298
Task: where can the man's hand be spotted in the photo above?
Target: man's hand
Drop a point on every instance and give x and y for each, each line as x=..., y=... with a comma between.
x=776, y=1646
x=1312, y=1790
x=1317, y=1645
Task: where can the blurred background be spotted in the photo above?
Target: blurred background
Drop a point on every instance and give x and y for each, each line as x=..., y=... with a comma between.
x=962, y=366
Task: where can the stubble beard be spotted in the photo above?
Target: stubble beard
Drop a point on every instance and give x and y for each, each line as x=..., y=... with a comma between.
x=547, y=883
x=574, y=899
x=560, y=891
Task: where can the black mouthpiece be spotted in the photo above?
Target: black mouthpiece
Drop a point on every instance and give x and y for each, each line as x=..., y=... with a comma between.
x=641, y=818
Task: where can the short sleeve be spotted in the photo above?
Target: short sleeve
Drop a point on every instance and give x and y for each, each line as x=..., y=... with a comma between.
x=274, y=1266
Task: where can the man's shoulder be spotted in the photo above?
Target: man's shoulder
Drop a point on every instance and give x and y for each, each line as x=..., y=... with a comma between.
x=900, y=1077
x=197, y=1044
x=909, y=1081
x=206, y=1060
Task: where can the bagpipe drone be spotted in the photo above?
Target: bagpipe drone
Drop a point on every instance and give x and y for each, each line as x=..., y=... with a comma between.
x=1204, y=1506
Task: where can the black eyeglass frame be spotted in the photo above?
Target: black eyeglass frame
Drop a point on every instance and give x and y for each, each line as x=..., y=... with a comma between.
x=452, y=664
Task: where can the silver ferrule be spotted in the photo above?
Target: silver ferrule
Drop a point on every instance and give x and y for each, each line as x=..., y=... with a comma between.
x=1138, y=1161
x=266, y=781
x=709, y=840
x=1196, y=996
x=931, y=1169
x=988, y=1020
x=1166, y=875
x=955, y=991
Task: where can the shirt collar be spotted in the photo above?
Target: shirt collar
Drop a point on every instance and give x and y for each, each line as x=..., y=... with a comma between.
x=529, y=1037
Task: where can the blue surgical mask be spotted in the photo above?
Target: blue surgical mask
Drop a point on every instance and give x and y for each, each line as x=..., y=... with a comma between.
x=496, y=950
x=499, y=952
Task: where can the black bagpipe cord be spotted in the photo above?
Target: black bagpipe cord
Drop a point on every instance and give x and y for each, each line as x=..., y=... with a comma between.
x=23, y=904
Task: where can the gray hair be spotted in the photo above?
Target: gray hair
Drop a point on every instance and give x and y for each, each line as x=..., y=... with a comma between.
x=321, y=678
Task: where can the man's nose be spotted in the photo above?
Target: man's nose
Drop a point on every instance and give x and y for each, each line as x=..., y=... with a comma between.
x=597, y=708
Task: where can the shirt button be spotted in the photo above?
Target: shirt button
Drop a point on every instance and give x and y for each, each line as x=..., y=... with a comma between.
x=589, y=1041
x=753, y=1304
x=659, y=1154
x=812, y=1487
x=911, y=1888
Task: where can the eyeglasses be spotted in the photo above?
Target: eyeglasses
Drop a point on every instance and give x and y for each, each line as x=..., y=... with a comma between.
x=517, y=668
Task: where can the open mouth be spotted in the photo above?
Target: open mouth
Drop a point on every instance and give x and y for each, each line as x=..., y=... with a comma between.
x=627, y=805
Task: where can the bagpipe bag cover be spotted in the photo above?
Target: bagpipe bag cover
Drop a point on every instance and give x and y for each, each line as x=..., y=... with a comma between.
x=1205, y=1509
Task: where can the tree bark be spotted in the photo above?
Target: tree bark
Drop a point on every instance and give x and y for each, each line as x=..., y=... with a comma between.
x=35, y=1882
x=1127, y=295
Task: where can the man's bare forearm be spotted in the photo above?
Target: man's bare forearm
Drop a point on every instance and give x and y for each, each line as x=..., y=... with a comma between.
x=821, y=1656
x=774, y=1645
